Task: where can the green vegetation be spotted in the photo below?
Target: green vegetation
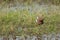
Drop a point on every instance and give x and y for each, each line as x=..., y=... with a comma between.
x=55, y=2
x=18, y=22
x=24, y=23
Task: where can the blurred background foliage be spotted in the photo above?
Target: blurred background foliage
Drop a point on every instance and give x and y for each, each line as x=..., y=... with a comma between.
x=55, y=2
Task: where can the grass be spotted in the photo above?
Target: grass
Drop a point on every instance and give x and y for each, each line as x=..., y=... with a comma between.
x=24, y=23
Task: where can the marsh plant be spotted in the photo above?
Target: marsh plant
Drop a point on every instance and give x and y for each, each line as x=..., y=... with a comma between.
x=24, y=23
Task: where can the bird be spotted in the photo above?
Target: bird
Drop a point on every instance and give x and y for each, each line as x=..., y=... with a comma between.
x=40, y=19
